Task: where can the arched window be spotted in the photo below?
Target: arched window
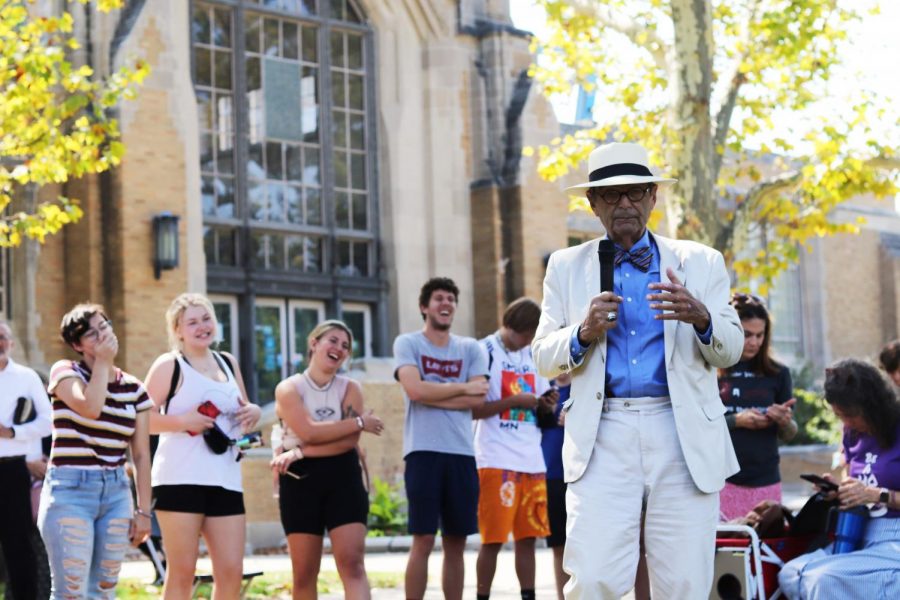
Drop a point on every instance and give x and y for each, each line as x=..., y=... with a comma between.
x=285, y=105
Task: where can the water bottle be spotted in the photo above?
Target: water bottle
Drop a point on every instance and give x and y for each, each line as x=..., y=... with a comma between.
x=276, y=439
x=849, y=530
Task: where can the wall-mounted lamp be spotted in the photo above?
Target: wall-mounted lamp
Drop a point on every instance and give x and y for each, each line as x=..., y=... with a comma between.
x=165, y=238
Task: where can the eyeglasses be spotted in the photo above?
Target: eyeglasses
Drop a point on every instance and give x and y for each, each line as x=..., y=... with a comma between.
x=634, y=194
x=92, y=335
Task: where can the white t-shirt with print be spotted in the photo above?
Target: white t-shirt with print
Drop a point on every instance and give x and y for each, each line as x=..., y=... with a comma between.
x=510, y=440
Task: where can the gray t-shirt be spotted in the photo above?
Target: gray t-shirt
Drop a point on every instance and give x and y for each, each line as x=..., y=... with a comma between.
x=428, y=427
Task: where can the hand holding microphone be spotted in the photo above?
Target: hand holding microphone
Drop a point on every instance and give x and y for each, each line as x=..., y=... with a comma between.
x=603, y=312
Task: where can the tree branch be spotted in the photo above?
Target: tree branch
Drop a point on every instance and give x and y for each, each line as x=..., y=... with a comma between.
x=723, y=120
x=654, y=44
x=737, y=79
x=890, y=163
x=754, y=197
x=769, y=187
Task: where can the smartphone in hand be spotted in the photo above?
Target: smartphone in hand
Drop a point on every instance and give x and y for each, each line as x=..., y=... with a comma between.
x=210, y=410
x=821, y=482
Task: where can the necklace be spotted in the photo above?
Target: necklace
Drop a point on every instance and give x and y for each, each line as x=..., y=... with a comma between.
x=313, y=384
x=515, y=363
x=208, y=366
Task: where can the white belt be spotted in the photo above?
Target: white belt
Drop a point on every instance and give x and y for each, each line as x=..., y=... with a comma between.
x=637, y=404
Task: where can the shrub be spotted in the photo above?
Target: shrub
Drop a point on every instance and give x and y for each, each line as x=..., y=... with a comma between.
x=817, y=424
x=387, y=514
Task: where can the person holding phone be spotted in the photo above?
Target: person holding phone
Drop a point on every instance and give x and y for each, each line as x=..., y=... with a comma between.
x=321, y=483
x=757, y=393
x=201, y=405
x=512, y=478
x=99, y=411
x=867, y=404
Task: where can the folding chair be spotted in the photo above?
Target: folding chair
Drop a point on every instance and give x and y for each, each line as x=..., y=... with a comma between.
x=756, y=560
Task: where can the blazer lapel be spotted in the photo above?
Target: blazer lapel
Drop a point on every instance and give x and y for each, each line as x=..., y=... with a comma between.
x=669, y=260
x=592, y=287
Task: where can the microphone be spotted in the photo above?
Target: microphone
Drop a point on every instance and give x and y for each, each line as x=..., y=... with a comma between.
x=607, y=253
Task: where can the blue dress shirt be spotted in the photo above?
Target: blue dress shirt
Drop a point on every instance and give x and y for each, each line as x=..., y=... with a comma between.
x=635, y=347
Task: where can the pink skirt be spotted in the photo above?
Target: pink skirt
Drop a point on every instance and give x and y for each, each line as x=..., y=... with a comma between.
x=736, y=501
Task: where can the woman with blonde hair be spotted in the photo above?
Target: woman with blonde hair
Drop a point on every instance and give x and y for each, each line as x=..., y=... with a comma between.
x=99, y=412
x=201, y=406
x=321, y=485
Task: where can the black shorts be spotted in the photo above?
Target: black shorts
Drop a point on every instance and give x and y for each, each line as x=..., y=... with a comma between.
x=556, y=512
x=329, y=494
x=209, y=500
x=442, y=490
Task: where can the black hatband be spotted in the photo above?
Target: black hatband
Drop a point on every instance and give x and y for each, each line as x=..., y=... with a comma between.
x=619, y=169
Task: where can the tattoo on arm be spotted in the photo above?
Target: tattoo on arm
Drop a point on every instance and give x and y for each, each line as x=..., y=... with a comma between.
x=350, y=412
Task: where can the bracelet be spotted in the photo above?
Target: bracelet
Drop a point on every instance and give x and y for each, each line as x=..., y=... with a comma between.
x=360, y=422
x=298, y=453
x=138, y=511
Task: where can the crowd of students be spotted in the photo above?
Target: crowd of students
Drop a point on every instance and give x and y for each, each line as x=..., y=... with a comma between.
x=482, y=439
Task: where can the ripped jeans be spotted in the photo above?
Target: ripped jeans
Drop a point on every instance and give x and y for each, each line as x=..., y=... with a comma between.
x=85, y=518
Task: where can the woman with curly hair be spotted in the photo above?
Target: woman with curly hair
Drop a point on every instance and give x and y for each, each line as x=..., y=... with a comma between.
x=866, y=402
x=757, y=396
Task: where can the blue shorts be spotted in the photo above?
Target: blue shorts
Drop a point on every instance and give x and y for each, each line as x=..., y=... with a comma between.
x=442, y=492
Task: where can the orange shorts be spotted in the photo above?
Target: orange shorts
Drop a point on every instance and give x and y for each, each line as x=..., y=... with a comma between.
x=509, y=501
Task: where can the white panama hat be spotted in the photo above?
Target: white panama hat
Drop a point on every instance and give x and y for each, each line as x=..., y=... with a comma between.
x=619, y=163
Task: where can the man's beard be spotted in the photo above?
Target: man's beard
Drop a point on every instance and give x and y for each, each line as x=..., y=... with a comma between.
x=439, y=326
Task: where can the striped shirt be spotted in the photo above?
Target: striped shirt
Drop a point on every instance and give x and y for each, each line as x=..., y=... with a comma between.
x=95, y=443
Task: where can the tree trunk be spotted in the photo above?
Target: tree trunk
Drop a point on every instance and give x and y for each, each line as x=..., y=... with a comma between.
x=693, y=210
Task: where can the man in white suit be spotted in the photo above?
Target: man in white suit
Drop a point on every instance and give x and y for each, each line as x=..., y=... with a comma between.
x=644, y=427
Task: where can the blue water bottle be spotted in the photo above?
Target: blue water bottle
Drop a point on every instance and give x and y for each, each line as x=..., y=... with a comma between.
x=849, y=530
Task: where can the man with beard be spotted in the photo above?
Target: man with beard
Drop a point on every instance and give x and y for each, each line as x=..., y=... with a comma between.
x=645, y=427
x=24, y=417
x=443, y=377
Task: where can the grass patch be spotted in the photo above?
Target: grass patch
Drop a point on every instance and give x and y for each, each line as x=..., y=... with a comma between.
x=268, y=586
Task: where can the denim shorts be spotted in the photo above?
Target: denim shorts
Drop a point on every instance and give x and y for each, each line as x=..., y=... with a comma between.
x=85, y=520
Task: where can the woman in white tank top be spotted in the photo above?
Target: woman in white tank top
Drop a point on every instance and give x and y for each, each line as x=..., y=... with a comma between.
x=320, y=487
x=197, y=490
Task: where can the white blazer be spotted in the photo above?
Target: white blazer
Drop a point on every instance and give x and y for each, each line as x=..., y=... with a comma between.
x=572, y=279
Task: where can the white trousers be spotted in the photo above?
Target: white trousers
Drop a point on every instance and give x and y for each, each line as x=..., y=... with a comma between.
x=637, y=460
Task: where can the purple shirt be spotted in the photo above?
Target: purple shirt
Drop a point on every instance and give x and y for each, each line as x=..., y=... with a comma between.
x=874, y=466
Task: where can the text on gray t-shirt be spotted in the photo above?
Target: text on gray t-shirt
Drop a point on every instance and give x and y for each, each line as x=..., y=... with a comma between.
x=427, y=427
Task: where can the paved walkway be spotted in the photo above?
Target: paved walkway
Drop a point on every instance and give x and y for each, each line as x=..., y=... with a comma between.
x=506, y=586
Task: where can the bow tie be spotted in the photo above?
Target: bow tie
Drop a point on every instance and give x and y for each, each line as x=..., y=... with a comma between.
x=640, y=257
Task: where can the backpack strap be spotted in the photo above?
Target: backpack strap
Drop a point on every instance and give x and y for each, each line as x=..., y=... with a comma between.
x=224, y=362
x=173, y=387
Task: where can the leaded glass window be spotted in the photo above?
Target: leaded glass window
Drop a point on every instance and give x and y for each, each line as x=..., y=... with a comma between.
x=271, y=78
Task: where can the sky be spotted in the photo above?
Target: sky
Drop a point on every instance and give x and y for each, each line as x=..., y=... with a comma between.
x=870, y=63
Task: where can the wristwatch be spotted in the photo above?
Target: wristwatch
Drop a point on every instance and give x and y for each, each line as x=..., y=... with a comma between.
x=884, y=497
